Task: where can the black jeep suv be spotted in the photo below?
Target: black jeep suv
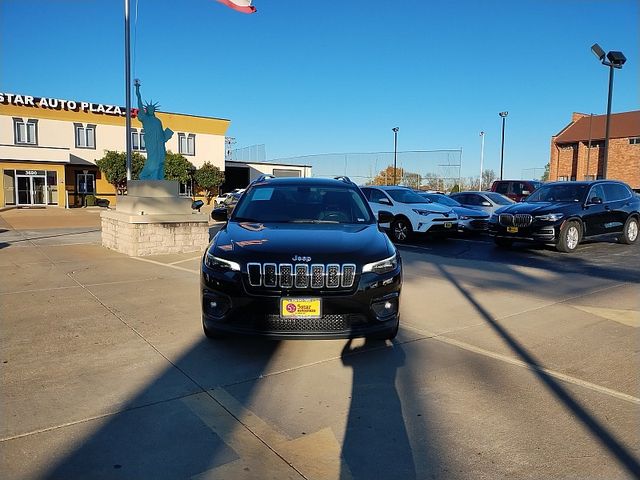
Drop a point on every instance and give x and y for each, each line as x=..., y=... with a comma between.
x=301, y=258
x=563, y=213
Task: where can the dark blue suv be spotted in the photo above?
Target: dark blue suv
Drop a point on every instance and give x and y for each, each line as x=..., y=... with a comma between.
x=563, y=213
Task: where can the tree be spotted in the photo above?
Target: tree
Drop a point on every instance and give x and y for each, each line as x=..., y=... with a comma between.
x=545, y=175
x=385, y=177
x=488, y=176
x=114, y=167
x=177, y=167
x=209, y=178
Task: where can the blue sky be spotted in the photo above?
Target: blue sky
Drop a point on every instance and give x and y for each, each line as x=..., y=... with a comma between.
x=308, y=77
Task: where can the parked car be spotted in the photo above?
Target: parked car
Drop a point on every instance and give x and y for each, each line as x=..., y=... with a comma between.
x=227, y=205
x=302, y=258
x=411, y=212
x=220, y=198
x=223, y=196
x=469, y=220
x=488, y=202
x=516, y=190
x=564, y=213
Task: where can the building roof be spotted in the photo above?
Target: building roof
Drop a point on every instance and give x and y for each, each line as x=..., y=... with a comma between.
x=623, y=125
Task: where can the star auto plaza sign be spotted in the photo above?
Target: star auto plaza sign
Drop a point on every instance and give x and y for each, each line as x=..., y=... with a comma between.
x=68, y=105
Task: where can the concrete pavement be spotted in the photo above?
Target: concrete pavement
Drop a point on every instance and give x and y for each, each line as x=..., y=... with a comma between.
x=507, y=365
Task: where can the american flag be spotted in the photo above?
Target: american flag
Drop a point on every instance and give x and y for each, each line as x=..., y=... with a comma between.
x=243, y=6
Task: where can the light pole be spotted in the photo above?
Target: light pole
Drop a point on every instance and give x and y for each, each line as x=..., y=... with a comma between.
x=504, y=118
x=481, y=158
x=127, y=86
x=395, y=152
x=611, y=60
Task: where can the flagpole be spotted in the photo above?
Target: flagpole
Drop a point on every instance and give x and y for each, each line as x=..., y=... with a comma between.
x=127, y=82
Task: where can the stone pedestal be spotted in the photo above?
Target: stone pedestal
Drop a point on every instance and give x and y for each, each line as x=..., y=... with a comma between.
x=152, y=220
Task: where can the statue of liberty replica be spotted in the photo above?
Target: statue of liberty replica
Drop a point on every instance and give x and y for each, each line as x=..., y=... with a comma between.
x=154, y=138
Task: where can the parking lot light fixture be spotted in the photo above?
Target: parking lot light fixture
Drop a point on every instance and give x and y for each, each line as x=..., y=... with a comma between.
x=504, y=118
x=395, y=152
x=613, y=59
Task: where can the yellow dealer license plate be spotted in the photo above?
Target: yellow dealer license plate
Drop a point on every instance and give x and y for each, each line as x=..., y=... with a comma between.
x=512, y=229
x=300, y=308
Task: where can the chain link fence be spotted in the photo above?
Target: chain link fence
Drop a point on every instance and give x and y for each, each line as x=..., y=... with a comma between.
x=427, y=169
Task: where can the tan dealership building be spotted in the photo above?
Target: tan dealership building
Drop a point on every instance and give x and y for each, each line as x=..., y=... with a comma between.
x=49, y=148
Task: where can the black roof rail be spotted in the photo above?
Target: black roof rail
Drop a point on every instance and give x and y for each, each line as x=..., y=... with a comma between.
x=264, y=177
x=344, y=178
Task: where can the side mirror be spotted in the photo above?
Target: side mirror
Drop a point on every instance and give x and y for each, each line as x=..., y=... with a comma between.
x=385, y=201
x=596, y=200
x=486, y=204
x=385, y=217
x=524, y=199
x=219, y=214
x=197, y=205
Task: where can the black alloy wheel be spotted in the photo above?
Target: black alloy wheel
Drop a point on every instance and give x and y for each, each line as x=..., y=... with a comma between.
x=401, y=230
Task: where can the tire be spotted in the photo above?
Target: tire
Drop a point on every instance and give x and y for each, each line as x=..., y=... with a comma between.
x=503, y=242
x=630, y=232
x=570, y=237
x=401, y=230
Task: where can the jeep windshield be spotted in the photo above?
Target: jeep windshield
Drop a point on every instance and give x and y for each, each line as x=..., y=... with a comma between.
x=559, y=193
x=404, y=195
x=302, y=204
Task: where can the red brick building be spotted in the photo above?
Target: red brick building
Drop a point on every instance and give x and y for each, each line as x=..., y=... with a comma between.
x=577, y=152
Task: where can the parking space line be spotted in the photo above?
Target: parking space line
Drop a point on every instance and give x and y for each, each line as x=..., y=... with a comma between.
x=185, y=260
x=506, y=359
x=169, y=265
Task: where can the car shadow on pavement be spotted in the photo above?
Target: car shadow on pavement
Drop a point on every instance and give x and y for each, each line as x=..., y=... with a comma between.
x=597, y=430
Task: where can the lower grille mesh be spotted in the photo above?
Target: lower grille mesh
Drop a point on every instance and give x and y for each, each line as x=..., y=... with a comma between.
x=328, y=323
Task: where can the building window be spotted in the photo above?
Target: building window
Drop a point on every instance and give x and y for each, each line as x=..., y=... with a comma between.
x=186, y=143
x=85, y=136
x=25, y=132
x=137, y=140
x=185, y=190
x=589, y=177
x=567, y=146
x=634, y=141
x=563, y=179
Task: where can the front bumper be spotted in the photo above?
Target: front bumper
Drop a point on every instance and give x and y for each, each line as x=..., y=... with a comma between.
x=357, y=312
x=544, y=233
x=438, y=225
x=473, y=225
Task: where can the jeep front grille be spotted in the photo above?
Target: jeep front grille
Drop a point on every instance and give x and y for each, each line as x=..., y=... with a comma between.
x=301, y=276
x=517, y=220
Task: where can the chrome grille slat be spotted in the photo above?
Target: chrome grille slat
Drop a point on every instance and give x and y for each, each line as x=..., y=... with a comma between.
x=333, y=275
x=255, y=274
x=348, y=275
x=270, y=278
x=301, y=275
x=317, y=276
x=517, y=220
x=286, y=275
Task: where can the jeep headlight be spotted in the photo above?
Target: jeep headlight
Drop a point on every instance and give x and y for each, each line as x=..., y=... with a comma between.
x=382, y=266
x=217, y=262
x=550, y=217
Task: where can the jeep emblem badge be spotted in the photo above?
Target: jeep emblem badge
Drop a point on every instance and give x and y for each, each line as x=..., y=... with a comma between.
x=298, y=258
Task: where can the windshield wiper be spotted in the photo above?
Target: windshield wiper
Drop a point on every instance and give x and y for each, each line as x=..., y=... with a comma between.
x=309, y=220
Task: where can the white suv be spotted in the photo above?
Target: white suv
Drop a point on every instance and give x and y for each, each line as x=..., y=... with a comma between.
x=411, y=212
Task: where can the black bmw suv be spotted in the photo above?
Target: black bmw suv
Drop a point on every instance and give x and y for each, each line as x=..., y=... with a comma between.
x=563, y=213
x=301, y=258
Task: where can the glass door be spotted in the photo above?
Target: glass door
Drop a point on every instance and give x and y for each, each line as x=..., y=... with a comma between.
x=39, y=190
x=31, y=190
x=24, y=190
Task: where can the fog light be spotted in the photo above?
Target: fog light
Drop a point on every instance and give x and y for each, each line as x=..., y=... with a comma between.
x=216, y=307
x=385, y=308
